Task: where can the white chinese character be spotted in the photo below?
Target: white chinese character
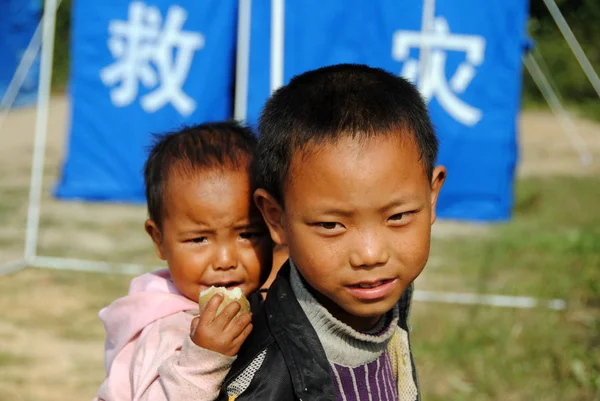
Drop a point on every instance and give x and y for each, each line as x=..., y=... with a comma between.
x=432, y=82
x=141, y=49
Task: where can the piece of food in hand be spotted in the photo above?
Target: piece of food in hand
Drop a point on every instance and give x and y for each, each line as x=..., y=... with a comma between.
x=229, y=296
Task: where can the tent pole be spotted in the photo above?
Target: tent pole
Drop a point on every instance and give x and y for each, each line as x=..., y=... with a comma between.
x=500, y=301
x=242, y=66
x=41, y=130
x=557, y=109
x=582, y=59
x=20, y=74
x=277, y=43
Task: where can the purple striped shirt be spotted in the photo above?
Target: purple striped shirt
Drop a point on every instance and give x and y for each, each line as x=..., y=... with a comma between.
x=373, y=381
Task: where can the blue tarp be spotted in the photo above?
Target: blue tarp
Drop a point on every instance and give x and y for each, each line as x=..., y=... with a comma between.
x=473, y=78
x=18, y=22
x=176, y=67
x=139, y=68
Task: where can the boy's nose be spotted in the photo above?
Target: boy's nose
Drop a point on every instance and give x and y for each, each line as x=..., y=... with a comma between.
x=369, y=250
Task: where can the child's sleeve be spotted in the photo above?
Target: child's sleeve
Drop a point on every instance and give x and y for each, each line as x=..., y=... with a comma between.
x=196, y=373
x=167, y=365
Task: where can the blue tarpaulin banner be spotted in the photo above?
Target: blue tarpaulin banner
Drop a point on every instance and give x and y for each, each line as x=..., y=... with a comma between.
x=464, y=55
x=137, y=68
x=18, y=22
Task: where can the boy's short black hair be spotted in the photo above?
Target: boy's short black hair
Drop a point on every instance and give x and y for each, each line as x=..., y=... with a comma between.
x=332, y=102
x=193, y=148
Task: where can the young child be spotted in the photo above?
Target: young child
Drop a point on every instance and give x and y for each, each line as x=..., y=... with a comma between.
x=346, y=163
x=204, y=224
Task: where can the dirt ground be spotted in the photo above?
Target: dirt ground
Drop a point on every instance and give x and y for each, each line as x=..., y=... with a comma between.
x=114, y=232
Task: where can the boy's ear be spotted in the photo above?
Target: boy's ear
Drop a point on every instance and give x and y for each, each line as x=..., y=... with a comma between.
x=437, y=180
x=156, y=236
x=273, y=214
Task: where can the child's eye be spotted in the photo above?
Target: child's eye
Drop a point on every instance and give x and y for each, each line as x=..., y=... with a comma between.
x=199, y=240
x=329, y=228
x=397, y=217
x=401, y=218
x=252, y=235
x=329, y=225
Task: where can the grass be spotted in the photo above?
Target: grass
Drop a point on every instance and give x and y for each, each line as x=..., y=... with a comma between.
x=586, y=108
x=8, y=358
x=551, y=249
x=51, y=340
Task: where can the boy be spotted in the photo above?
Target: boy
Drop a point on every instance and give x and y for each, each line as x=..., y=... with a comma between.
x=203, y=222
x=347, y=182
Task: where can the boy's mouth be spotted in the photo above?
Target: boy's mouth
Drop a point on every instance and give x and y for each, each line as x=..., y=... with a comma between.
x=371, y=284
x=372, y=290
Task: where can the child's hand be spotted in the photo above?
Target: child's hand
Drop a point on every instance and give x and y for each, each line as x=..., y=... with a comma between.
x=224, y=333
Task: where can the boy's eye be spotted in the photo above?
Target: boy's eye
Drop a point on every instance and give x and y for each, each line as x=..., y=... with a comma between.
x=199, y=240
x=397, y=217
x=329, y=225
x=401, y=218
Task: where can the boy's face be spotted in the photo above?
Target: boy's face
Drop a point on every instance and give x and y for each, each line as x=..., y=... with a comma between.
x=212, y=234
x=357, y=222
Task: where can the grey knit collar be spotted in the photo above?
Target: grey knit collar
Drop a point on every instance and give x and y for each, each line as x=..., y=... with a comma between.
x=343, y=345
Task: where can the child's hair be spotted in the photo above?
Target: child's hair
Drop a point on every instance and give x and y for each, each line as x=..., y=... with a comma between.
x=225, y=145
x=329, y=103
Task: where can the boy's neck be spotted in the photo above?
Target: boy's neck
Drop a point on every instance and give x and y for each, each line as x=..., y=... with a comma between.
x=342, y=343
x=359, y=324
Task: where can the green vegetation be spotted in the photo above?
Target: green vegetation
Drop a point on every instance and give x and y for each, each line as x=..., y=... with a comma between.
x=559, y=62
x=551, y=249
x=60, y=70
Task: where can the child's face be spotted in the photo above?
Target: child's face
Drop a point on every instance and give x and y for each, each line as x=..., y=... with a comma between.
x=211, y=233
x=357, y=221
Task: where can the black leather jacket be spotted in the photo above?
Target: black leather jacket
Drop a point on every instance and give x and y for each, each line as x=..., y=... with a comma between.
x=295, y=366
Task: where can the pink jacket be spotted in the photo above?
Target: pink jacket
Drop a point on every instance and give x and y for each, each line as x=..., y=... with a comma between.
x=149, y=354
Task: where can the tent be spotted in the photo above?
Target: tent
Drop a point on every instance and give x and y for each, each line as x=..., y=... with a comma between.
x=471, y=77
x=479, y=43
